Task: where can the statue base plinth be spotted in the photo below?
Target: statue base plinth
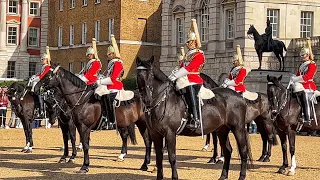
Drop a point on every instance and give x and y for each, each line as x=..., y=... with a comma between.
x=256, y=80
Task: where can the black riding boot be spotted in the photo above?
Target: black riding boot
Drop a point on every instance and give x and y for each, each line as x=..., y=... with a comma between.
x=193, y=105
x=41, y=108
x=104, y=105
x=305, y=105
x=111, y=110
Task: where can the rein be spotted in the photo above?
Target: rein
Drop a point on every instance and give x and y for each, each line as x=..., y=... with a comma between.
x=284, y=102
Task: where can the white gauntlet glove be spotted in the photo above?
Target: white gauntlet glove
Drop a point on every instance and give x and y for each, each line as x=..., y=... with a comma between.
x=181, y=72
x=296, y=79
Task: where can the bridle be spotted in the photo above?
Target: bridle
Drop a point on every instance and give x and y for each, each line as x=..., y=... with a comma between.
x=282, y=106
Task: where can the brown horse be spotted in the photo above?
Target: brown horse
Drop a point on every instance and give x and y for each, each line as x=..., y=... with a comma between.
x=286, y=111
x=86, y=109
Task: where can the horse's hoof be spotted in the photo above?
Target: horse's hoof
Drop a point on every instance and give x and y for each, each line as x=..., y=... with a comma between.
x=223, y=178
x=242, y=178
x=79, y=149
x=83, y=171
x=154, y=170
x=28, y=151
x=119, y=159
x=62, y=161
x=291, y=173
x=144, y=168
x=212, y=160
x=24, y=150
x=261, y=158
x=71, y=161
x=266, y=159
x=204, y=149
x=281, y=171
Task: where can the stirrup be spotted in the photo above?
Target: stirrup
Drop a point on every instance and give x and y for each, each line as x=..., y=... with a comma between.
x=194, y=124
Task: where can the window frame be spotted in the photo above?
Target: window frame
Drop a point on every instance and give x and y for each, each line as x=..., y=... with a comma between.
x=227, y=30
x=72, y=4
x=306, y=25
x=180, y=39
x=71, y=35
x=110, y=27
x=10, y=69
x=204, y=16
x=84, y=33
x=60, y=5
x=273, y=24
x=31, y=73
x=17, y=7
x=38, y=9
x=97, y=1
x=84, y=2
x=60, y=37
x=97, y=30
x=37, y=38
x=71, y=67
x=17, y=35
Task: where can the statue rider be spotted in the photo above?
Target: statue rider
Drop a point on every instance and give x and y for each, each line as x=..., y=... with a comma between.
x=267, y=36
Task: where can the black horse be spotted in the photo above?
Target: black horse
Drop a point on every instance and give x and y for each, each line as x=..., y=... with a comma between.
x=259, y=112
x=24, y=109
x=86, y=109
x=165, y=109
x=286, y=111
x=261, y=46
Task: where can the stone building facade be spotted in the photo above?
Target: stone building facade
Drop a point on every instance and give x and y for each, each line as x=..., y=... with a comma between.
x=224, y=23
x=135, y=24
x=23, y=37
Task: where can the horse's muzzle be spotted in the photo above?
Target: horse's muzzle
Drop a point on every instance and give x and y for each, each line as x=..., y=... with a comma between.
x=274, y=111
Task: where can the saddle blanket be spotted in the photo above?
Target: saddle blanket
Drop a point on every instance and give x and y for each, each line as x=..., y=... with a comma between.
x=252, y=96
x=122, y=95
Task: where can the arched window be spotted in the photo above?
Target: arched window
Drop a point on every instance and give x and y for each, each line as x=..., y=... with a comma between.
x=204, y=20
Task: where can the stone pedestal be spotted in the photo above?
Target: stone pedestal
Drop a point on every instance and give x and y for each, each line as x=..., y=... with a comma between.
x=256, y=80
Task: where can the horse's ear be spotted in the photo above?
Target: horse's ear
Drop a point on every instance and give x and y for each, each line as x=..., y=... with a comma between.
x=138, y=61
x=268, y=77
x=279, y=78
x=151, y=60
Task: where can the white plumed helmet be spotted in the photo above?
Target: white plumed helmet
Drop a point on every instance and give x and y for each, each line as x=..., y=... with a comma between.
x=44, y=56
x=90, y=50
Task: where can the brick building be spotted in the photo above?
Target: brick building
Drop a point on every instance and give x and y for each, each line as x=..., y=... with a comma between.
x=23, y=36
x=73, y=23
x=224, y=23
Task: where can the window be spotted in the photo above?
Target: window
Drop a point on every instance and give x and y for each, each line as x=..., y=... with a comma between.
x=97, y=1
x=33, y=37
x=71, y=34
x=306, y=24
x=84, y=33
x=34, y=8
x=71, y=67
x=60, y=5
x=97, y=30
x=111, y=27
x=84, y=2
x=180, y=30
x=72, y=3
x=32, y=68
x=273, y=16
x=230, y=23
x=12, y=35
x=204, y=21
x=11, y=72
x=13, y=7
x=60, y=36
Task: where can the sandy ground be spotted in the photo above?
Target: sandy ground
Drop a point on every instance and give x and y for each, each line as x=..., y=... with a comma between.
x=105, y=147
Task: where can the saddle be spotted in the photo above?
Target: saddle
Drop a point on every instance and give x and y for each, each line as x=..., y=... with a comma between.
x=251, y=96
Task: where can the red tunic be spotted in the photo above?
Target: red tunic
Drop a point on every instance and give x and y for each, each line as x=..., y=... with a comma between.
x=115, y=70
x=308, y=75
x=91, y=73
x=44, y=70
x=194, y=67
x=238, y=79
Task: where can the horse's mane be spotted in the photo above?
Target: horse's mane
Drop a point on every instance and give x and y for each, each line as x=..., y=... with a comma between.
x=72, y=78
x=158, y=74
x=208, y=80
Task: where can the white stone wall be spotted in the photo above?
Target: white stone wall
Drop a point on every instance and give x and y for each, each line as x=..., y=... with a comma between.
x=218, y=57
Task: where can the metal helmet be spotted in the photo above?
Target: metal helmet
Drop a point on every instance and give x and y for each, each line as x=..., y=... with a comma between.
x=305, y=51
x=90, y=50
x=111, y=49
x=192, y=36
x=44, y=56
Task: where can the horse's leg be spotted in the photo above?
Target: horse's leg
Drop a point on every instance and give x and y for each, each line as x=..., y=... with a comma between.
x=283, y=138
x=26, y=134
x=240, y=135
x=282, y=59
x=147, y=142
x=227, y=150
x=171, y=139
x=264, y=138
x=213, y=159
x=84, y=132
x=72, y=133
x=260, y=59
x=65, y=133
x=292, y=141
x=124, y=137
x=279, y=59
x=158, y=145
x=29, y=129
x=207, y=144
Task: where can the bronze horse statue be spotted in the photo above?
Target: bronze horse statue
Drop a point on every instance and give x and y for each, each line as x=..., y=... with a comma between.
x=261, y=46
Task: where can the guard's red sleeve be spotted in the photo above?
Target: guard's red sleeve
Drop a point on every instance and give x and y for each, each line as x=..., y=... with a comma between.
x=242, y=74
x=44, y=72
x=312, y=68
x=117, y=68
x=91, y=73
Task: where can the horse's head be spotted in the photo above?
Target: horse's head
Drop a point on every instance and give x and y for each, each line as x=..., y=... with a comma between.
x=252, y=30
x=276, y=94
x=14, y=90
x=49, y=81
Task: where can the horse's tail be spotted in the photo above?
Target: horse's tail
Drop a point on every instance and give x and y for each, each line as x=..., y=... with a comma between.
x=250, y=165
x=284, y=46
x=132, y=133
